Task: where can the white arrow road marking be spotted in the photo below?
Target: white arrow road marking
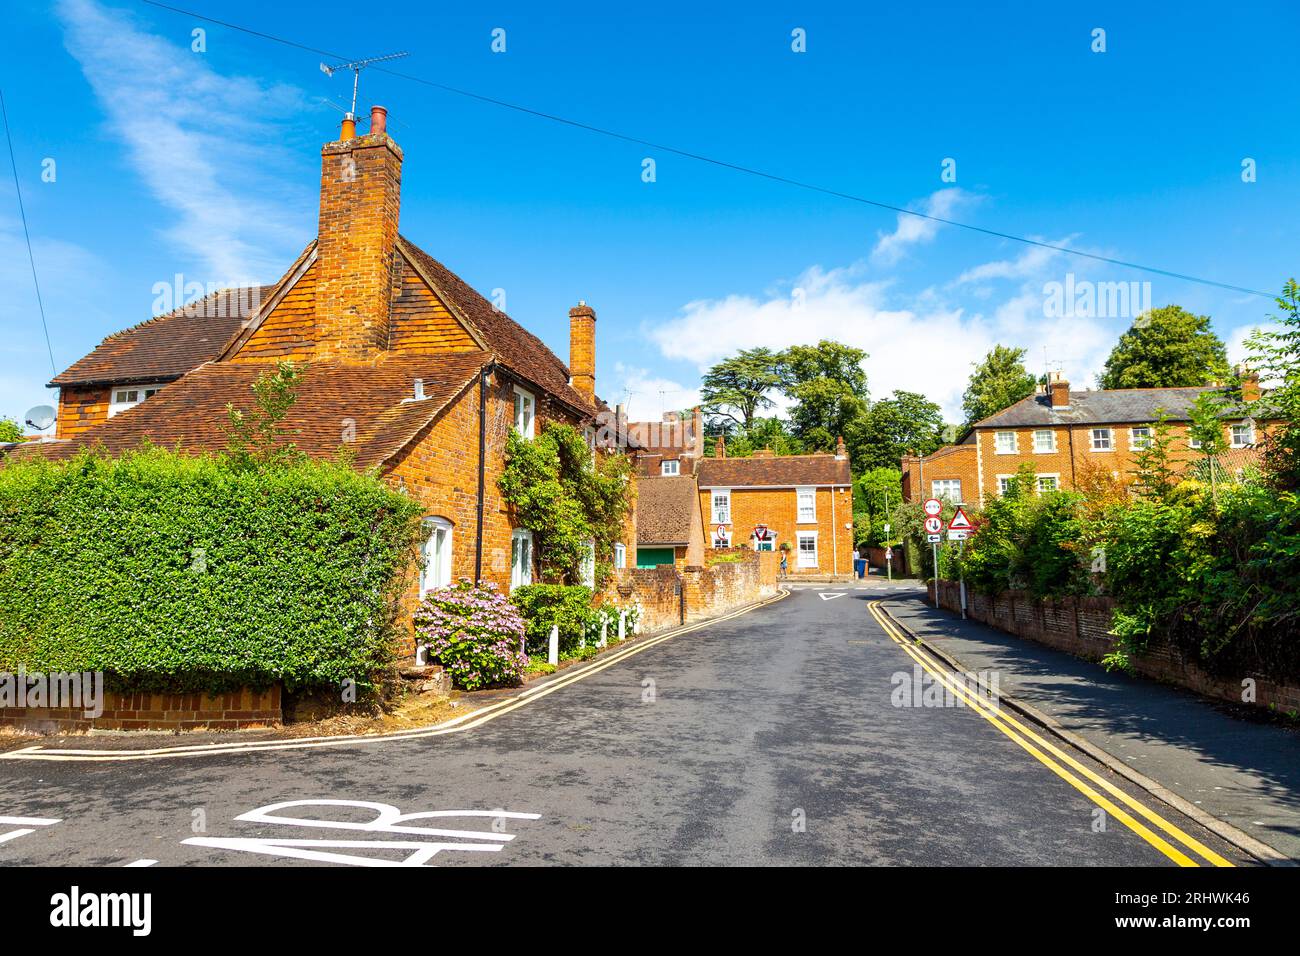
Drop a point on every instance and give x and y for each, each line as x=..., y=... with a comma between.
x=26, y=824
x=14, y=835
x=141, y=863
x=832, y=595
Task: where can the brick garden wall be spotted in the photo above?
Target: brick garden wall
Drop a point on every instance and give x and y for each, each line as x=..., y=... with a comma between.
x=1080, y=626
x=239, y=709
x=708, y=591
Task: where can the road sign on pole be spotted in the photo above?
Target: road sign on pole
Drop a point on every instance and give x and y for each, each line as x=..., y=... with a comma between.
x=933, y=525
x=959, y=521
x=958, y=535
x=932, y=538
x=933, y=507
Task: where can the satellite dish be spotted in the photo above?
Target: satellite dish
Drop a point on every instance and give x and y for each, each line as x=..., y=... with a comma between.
x=41, y=417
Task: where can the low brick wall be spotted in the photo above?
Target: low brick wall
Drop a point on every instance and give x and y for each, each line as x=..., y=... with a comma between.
x=1081, y=626
x=670, y=596
x=239, y=709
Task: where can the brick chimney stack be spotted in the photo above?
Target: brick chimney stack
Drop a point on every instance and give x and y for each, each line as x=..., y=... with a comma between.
x=719, y=448
x=360, y=198
x=840, y=451
x=582, y=348
x=1249, y=378
x=1059, y=390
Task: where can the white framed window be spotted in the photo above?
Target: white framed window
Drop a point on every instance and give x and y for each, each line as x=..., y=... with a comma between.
x=587, y=568
x=1004, y=483
x=721, y=505
x=1044, y=441
x=122, y=397
x=1243, y=435
x=807, y=549
x=1004, y=443
x=949, y=488
x=1140, y=437
x=721, y=538
x=1102, y=440
x=525, y=412
x=1048, y=483
x=806, y=502
x=435, y=553
x=620, y=554
x=671, y=467
x=521, y=558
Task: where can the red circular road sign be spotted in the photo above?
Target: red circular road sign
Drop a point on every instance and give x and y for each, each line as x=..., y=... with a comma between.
x=933, y=507
x=933, y=525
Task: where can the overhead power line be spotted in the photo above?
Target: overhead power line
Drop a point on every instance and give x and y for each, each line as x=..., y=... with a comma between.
x=22, y=213
x=723, y=164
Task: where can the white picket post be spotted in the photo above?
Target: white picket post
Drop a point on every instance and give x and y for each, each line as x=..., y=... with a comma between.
x=604, y=630
x=553, y=652
x=622, y=625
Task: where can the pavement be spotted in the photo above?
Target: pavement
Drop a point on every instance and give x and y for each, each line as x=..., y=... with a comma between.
x=788, y=735
x=1239, y=767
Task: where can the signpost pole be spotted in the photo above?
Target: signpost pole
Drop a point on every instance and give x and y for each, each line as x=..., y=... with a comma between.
x=935, y=546
x=961, y=549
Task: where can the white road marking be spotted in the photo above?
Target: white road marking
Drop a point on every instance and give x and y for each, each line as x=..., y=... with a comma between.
x=14, y=835
x=29, y=821
x=387, y=820
x=832, y=595
x=141, y=863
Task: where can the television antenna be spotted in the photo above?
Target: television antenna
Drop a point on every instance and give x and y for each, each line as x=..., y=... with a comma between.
x=356, y=66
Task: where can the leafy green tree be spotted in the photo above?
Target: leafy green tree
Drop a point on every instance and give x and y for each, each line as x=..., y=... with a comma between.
x=10, y=430
x=1276, y=356
x=828, y=386
x=896, y=426
x=997, y=382
x=257, y=437
x=1167, y=347
x=762, y=433
x=737, y=388
x=1206, y=432
x=875, y=494
x=1154, y=464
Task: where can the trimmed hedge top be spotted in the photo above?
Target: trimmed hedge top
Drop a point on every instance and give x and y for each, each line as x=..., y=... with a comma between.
x=180, y=573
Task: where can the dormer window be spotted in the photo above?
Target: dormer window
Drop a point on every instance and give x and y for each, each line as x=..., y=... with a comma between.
x=122, y=397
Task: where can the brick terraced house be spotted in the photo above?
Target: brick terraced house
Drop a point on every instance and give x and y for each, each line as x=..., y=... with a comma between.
x=1063, y=434
x=769, y=501
x=668, y=447
x=406, y=365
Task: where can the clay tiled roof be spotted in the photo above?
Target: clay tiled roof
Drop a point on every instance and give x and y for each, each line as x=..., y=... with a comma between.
x=191, y=413
x=1133, y=406
x=777, y=471
x=664, y=510
x=515, y=347
x=166, y=347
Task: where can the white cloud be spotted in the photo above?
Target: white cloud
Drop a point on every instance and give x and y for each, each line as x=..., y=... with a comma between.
x=1031, y=262
x=201, y=141
x=925, y=342
x=648, y=396
x=913, y=230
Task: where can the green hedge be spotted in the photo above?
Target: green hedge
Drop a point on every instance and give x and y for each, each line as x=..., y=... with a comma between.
x=180, y=573
x=542, y=605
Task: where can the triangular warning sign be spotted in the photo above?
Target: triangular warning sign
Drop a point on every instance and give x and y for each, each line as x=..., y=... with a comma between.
x=959, y=521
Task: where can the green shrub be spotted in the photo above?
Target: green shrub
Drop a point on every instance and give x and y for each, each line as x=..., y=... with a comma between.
x=180, y=573
x=545, y=605
x=475, y=633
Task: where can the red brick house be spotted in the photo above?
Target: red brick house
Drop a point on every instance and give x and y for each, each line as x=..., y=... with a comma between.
x=1063, y=433
x=668, y=447
x=406, y=365
x=800, y=504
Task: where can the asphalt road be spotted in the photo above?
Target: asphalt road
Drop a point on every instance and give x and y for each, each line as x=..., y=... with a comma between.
x=770, y=738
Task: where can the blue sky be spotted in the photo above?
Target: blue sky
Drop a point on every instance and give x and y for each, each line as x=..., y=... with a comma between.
x=206, y=164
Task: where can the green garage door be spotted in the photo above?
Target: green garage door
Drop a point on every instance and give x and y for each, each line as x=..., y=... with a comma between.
x=653, y=557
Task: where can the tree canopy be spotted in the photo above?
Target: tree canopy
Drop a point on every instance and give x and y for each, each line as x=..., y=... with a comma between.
x=737, y=388
x=1001, y=379
x=1167, y=347
x=896, y=426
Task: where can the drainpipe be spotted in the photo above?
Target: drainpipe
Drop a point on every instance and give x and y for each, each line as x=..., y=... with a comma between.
x=482, y=467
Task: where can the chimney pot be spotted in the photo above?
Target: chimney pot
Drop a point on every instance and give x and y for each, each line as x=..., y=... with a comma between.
x=378, y=120
x=1059, y=389
x=419, y=389
x=349, y=128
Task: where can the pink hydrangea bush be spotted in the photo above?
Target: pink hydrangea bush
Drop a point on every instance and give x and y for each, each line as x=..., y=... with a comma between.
x=475, y=633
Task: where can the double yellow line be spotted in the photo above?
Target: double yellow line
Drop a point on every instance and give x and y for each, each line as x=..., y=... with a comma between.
x=1059, y=761
x=475, y=718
